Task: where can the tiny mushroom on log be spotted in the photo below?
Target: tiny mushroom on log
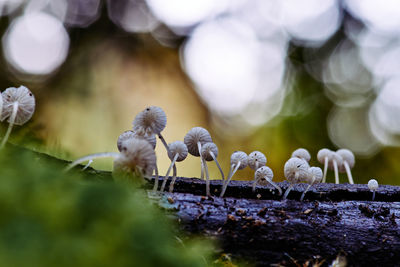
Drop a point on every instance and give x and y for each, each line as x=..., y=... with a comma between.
x=373, y=185
x=323, y=157
x=335, y=161
x=264, y=175
x=209, y=152
x=347, y=164
x=256, y=159
x=301, y=153
x=295, y=171
x=238, y=162
x=315, y=177
x=177, y=152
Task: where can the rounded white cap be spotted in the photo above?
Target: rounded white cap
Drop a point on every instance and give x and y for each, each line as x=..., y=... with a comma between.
x=254, y=157
x=196, y=134
x=293, y=166
x=335, y=157
x=316, y=172
x=177, y=147
x=373, y=184
x=206, y=149
x=131, y=134
x=301, y=153
x=262, y=174
x=347, y=156
x=26, y=104
x=322, y=154
x=151, y=120
x=239, y=156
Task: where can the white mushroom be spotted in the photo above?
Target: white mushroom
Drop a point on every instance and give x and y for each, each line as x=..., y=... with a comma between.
x=238, y=162
x=295, y=170
x=209, y=152
x=348, y=163
x=315, y=177
x=264, y=175
x=323, y=157
x=373, y=185
x=177, y=152
x=302, y=154
x=18, y=105
x=194, y=139
x=256, y=159
x=334, y=162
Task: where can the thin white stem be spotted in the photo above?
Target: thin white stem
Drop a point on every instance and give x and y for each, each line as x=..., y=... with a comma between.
x=219, y=167
x=201, y=161
x=274, y=185
x=163, y=141
x=168, y=171
x=88, y=164
x=171, y=185
x=208, y=180
x=155, y=187
x=90, y=157
x=325, y=169
x=232, y=171
x=287, y=191
x=335, y=168
x=373, y=195
x=12, y=120
x=348, y=171
x=255, y=181
x=308, y=188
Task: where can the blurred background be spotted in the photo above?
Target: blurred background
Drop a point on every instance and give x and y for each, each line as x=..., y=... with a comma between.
x=263, y=75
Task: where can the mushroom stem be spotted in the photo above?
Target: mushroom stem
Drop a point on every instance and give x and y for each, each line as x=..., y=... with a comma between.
x=335, y=168
x=308, y=187
x=373, y=195
x=201, y=161
x=219, y=167
x=346, y=165
x=168, y=171
x=228, y=179
x=171, y=185
x=163, y=141
x=325, y=169
x=87, y=165
x=90, y=157
x=274, y=185
x=208, y=180
x=287, y=191
x=255, y=181
x=12, y=120
x=155, y=187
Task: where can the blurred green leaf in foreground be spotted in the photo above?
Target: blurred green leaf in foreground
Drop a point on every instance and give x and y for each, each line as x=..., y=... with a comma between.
x=48, y=218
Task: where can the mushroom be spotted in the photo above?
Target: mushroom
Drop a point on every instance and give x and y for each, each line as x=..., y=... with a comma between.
x=256, y=159
x=373, y=185
x=177, y=151
x=194, y=139
x=323, y=157
x=335, y=161
x=152, y=120
x=301, y=153
x=295, y=171
x=348, y=163
x=151, y=138
x=264, y=175
x=137, y=158
x=18, y=106
x=238, y=162
x=315, y=177
x=209, y=152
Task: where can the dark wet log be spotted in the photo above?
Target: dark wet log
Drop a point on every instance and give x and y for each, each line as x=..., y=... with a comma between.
x=333, y=220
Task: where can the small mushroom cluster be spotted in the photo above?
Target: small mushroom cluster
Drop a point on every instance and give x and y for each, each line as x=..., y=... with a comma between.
x=340, y=161
x=18, y=105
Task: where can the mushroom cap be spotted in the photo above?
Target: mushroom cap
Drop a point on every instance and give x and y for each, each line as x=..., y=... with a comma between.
x=294, y=165
x=335, y=156
x=239, y=156
x=196, y=134
x=316, y=172
x=152, y=120
x=136, y=154
x=26, y=104
x=131, y=134
x=322, y=154
x=254, y=157
x=206, y=149
x=301, y=153
x=262, y=173
x=347, y=156
x=177, y=147
x=373, y=184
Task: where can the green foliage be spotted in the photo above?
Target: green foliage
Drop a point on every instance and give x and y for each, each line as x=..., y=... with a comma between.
x=49, y=218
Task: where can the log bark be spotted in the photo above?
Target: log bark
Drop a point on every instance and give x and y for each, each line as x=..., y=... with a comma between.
x=263, y=230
